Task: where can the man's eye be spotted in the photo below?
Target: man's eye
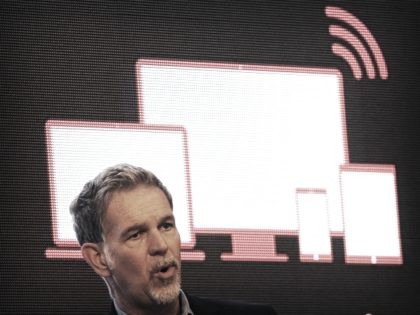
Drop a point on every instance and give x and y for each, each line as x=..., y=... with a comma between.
x=167, y=225
x=135, y=235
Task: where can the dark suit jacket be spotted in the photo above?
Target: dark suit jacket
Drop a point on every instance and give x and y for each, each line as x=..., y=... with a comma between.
x=205, y=306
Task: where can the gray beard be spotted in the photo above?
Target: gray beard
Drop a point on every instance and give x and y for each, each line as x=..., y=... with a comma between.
x=167, y=291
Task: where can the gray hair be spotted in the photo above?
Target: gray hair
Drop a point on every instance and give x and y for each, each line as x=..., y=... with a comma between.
x=89, y=207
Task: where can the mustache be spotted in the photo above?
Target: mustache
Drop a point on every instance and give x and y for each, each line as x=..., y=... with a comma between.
x=164, y=264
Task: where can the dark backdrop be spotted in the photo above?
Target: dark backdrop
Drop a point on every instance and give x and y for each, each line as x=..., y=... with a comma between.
x=76, y=60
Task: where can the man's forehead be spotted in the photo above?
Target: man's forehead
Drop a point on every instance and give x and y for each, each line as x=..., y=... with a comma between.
x=139, y=193
x=139, y=204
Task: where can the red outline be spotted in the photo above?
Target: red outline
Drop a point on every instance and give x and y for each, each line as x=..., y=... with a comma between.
x=253, y=246
x=61, y=251
x=344, y=34
x=356, y=259
x=50, y=159
x=240, y=253
x=315, y=258
x=343, y=15
x=348, y=56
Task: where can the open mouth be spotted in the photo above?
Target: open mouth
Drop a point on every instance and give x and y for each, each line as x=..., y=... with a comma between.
x=164, y=269
x=166, y=272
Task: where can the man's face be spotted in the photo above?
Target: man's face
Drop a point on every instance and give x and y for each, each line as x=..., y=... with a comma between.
x=142, y=247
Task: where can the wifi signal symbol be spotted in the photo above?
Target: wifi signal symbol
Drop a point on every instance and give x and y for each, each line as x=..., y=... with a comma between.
x=347, y=36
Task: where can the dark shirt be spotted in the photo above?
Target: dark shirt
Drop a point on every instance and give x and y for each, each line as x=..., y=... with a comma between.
x=207, y=306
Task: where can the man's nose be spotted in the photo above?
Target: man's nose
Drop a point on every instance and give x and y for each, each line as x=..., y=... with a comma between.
x=157, y=243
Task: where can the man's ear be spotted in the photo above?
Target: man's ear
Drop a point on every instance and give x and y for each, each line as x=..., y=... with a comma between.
x=94, y=256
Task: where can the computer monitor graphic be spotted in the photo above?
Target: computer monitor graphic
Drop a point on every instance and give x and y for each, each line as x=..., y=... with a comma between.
x=257, y=136
x=78, y=151
x=252, y=151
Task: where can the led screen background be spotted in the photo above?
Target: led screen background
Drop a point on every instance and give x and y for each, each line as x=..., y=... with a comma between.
x=77, y=62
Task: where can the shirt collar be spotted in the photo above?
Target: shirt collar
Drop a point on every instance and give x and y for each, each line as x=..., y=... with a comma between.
x=119, y=311
x=184, y=305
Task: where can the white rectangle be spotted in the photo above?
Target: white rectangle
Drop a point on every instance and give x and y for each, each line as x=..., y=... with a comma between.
x=370, y=212
x=78, y=151
x=255, y=134
x=314, y=232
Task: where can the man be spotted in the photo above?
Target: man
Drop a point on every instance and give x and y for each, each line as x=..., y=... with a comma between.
x=125, y=225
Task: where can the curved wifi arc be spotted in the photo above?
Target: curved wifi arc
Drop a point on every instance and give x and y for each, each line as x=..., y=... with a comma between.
x=347, y=36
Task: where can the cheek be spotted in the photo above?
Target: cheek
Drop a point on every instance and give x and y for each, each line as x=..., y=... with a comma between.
x=132, y=270
x=130, y=261
x=175, y=242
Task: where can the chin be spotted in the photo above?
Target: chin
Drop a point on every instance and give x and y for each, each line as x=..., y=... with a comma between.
x=167, y=293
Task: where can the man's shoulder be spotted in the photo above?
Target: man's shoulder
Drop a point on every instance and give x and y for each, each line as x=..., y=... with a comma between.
x=210, y=306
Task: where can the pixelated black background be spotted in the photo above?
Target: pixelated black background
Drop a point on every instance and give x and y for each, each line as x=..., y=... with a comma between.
x=76, y=60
